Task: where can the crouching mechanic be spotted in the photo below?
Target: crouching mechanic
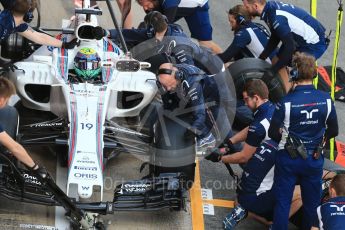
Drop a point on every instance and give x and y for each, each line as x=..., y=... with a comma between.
x=190, y=90
x=254, y=192
x=331, y=214
x=301, y=122
x=7, y=89
x=249, y=39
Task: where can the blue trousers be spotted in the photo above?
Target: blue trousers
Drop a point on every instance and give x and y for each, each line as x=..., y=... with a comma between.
x=287, y=173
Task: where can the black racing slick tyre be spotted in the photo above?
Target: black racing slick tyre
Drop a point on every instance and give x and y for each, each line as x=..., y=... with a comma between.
x=254, y=68
x=174, y=153
x=9, y=120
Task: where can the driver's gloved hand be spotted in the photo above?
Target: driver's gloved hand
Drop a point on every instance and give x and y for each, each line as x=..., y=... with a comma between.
x=39, y=171
x=268, y=75
x=71, y=44
x=213, y=154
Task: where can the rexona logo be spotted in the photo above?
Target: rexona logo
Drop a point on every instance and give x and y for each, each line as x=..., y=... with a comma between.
x=85, y=176
x=46, y=125
x=85, y=168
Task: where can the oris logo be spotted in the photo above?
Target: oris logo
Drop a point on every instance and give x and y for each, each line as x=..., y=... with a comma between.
x=85, y=176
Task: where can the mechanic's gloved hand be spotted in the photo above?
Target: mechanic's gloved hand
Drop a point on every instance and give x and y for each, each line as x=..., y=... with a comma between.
x=268, y=75
x=7, y=65
x=213, y=154
x=98, y=33
x=71, y=44
x=229, y=146
x=10, y=67
x=39, y=171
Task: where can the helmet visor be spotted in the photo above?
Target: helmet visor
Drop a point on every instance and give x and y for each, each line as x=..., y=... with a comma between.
x=87, y=64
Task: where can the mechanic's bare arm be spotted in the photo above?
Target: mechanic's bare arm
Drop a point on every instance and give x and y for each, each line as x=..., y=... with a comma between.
x=16, y=149
x=41, y=38
x=314, y=228
x=240, y=136
x=240, y=157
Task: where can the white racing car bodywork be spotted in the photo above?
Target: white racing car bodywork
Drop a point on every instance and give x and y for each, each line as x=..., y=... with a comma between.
x=85, y=105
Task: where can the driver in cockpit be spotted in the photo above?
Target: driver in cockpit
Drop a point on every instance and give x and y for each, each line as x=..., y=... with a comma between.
x=87, y=65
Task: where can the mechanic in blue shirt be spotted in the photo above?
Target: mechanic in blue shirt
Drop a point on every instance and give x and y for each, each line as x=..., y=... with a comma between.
x=195, y=13
x=188, y=90
x=291, y=25
x=158, y=37
x=301, y=122
x=254, y=192
x=161, y=37
x=331, y=214
x=14, y=19
x=7, y=89
x=249, y=39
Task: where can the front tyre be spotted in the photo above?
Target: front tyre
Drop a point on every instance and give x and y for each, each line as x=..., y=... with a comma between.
x=173, y=152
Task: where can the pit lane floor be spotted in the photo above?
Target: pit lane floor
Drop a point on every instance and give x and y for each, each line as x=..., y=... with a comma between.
x=15, y=215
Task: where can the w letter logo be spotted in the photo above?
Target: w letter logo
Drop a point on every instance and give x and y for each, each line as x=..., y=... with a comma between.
x=309, y=114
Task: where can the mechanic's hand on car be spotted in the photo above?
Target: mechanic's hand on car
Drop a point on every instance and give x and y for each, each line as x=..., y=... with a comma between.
x=71, y=44
x=214, y=154
x=229, y=147
x=7, y=65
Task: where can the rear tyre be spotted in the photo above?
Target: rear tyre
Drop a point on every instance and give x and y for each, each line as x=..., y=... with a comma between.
x=253, y=68
x=173, y=152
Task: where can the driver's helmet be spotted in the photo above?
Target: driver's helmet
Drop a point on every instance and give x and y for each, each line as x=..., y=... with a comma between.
x=87, y=63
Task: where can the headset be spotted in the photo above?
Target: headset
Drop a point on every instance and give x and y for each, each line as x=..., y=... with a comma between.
x=240, y=19
x=179, y=75
x=149, y=24
x=294, y=73
x=29, y=15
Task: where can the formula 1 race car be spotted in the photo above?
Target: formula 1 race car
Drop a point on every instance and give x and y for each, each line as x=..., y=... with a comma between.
x=94, y=102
